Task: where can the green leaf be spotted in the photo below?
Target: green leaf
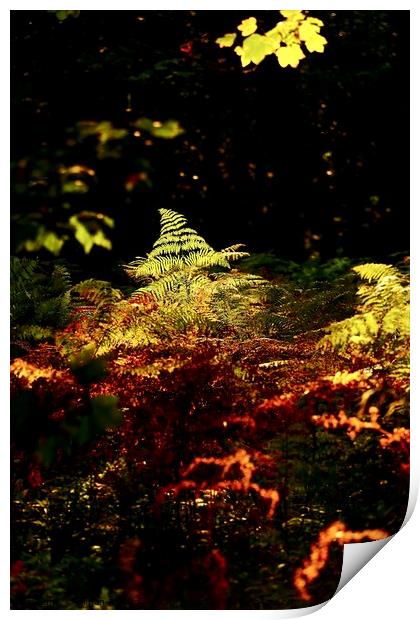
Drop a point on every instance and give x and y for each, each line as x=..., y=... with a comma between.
x=166, y=129
x=99, y=239
x=62, y=15
x=47, y=239
x=255, y=48
x=53, y=243
x=227, y=40
x=88, y=233
x=82, y=235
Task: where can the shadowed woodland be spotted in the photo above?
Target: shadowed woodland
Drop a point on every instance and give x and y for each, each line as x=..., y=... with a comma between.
x=209, y=304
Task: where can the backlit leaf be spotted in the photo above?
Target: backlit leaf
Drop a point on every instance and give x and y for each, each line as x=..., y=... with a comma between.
x=166, y=129
x=316, y=43
x=62, y=15
x=284, y=39
x=227, y=40
x=88, y=232
x=289, y=55
x=53, y=243
x=293, y=16
x=248, y=26
x=255, y=48
x=47, y=239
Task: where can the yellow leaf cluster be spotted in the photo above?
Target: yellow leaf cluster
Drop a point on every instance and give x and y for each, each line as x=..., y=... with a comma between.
x=285, y=40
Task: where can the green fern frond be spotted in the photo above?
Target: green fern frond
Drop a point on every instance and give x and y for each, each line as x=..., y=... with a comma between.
x=159, y=289
x=22, y=274
x=375, y=271
x=397, y=322
x=97, y=292
x=234, y=252
x=39, y=298
x=178, y=258
x=360, y=329
x=236, y=281
x=381, y=328
x=171, y=221
x=60, y=279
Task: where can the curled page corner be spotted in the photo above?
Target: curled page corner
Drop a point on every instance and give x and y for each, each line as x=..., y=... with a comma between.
x=356, y=556
x=412, y=498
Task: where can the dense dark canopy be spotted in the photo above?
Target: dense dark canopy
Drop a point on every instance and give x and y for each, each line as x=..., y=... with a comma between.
x=297, y=161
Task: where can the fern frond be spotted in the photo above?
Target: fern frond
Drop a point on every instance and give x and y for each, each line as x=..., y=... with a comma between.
x=375, y=271
x=178, y=257
x=202, y=259
x=234, y=248
x=60, y=279
x=236, y=281
x=360, y=329
x=23, y=271
x=39, y=298
x=97, y=292
x=381, y=328
x=234, y=252
x=159, y=289
x=397, y=322
x=171, y=221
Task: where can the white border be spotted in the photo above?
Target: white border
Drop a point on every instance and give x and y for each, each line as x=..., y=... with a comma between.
x=387, y=586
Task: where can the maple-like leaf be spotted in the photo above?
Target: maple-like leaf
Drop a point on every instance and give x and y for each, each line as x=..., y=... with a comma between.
x=316, y=43
x=294, y=16
x=227, y=40
x=284, y=39
x=290, y=55
x=248, y=26
x=255, y=49
x=308, y=30
x=309, y=33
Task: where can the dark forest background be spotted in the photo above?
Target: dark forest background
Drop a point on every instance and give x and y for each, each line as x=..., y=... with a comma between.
x=307, y=163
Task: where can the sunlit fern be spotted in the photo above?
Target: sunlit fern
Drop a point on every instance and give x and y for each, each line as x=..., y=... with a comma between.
x=180, y=259
x=195, y=286
x=381, y=328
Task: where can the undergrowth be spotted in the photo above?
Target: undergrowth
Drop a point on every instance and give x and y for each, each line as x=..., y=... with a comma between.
x=201, y=441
